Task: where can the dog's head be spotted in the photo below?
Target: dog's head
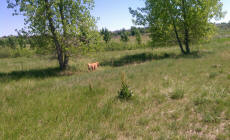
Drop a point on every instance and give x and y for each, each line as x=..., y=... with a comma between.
x=97, y=63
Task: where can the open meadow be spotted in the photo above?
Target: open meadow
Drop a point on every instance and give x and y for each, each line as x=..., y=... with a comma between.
x=175, y=96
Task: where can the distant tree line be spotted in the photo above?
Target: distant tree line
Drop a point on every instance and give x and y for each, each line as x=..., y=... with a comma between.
x=124, y=34
x=224, y=25
x=14, y=41
x=132, y=31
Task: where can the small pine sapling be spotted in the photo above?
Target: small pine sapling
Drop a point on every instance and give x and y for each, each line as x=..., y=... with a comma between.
x=124, y=93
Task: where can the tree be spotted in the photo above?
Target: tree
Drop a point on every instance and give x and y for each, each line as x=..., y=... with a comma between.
x=185, y=20
x=138, y=37
x=2, y=42
x=22, y=40
x=11, y=42
x=124, y=36
x=59, y=20
x=133, y=31
x=106, y=35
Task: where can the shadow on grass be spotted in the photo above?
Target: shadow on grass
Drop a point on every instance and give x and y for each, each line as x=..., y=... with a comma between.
x=142, y=57
x=34, y=73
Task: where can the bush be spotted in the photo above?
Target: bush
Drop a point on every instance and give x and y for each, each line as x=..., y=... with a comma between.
x=22, y=52
x=118, y=46
x=124, y=36
x=124, y=93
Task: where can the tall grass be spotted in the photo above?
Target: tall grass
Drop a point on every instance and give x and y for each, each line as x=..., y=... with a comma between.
x=174, y=95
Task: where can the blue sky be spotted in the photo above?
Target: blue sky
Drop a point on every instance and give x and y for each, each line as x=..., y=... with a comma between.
x=113, y=14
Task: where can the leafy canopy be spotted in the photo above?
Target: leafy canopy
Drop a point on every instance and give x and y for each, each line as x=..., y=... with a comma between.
x=76, y=15
x=68, y=23
x=107, y=36
x=186, y=20
x=124, y=36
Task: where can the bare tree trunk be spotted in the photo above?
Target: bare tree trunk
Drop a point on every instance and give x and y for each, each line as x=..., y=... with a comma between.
x=175, y=29
x=187, y=41
x=54, y=36
x=186, y=30
x=66, y=60
x=66, y=53
x=178, y=38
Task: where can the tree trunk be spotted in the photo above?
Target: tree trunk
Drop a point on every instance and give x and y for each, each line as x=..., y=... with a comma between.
x=186, y=41
x=174, y=27
x=186, y=30
x=55, y=39
x=66, y=60
x=178, y=38
x=66, y=53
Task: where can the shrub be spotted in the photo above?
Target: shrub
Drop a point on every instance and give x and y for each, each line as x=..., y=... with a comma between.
x=107, y=36
x=124, y=93
x=18, y=52
x=124, y=36
x=138, y=37
x=22, y=52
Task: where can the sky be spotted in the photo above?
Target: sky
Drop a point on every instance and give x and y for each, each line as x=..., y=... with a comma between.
x=112, y=14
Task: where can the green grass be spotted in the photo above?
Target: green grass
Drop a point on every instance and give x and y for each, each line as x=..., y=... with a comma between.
x=175, y=96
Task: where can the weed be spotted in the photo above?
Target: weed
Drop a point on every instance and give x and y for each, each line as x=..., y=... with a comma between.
x=143, y=121
x=212, y=75
x=198, y=130
x=177, y=94
x=201, y=101
x=160, y=98
x=209, y=117
x=228, y=76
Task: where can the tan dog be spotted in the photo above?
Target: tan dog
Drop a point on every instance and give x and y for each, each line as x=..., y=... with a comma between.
x=93, y=66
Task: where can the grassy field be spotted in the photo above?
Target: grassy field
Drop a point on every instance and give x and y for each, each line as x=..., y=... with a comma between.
x=175, y=96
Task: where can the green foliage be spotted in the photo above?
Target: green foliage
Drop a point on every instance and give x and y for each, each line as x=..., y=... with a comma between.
x=18, y=52
x=106, y=35
x=133, y=31
x=2, y=43
x=138, y=37
x=124, y=36
x=11, y=42
x=184, y=21
x=22, y=41
x=91, y=41
x=38, y=101
x=115, y=46
x=25, y=52
x=68, y=23
x=124, y=93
